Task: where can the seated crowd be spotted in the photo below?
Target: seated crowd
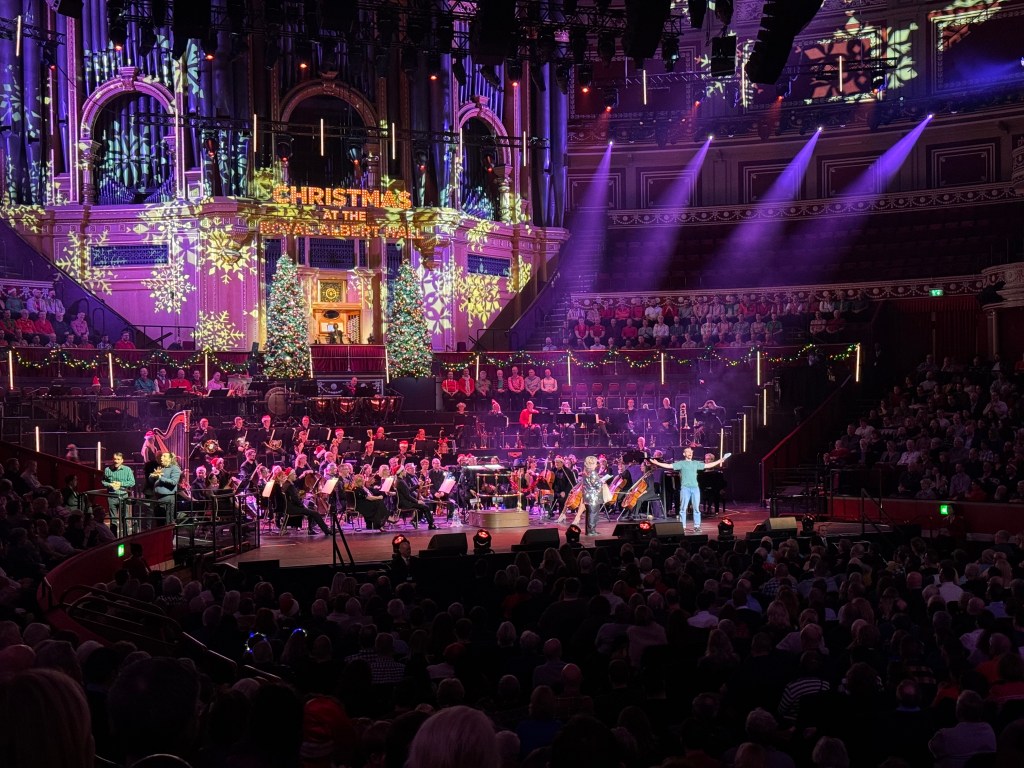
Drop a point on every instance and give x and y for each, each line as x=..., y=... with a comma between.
x=947, y=432
x=750, y=654
x=687, y=322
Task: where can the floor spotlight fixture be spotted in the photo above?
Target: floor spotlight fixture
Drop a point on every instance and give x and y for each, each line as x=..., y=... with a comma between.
x=611, y=98
x=572, y=535
x=514, y=71
x=645, y=528
x=482, y=542
x=807, y=525
x=726, y=529
x=396, y=542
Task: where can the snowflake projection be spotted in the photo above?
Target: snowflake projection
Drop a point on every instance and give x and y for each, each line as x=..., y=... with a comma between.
x=215, y=331
x=477, y=236
x=523, y=273
x=955, y=20
x=892, y=43
x=169, y=287
x=75, y=260
x=479, y=297
x=364, y=278
x=438, y=286
x=222, y=253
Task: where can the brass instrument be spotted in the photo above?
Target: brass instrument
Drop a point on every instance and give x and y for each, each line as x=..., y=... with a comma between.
x=209, y=447
x=272, y=445
x=242, y=443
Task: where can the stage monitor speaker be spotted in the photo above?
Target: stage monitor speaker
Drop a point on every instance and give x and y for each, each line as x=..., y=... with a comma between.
x=781, y=526
x=626, y=530
x=71, y=8
x=669, y=530
x=536, y=538
x=448, y=543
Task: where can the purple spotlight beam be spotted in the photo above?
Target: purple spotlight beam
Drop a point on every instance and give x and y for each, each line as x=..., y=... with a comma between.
x=663, y=245
x=591, y=216
x=750, y=238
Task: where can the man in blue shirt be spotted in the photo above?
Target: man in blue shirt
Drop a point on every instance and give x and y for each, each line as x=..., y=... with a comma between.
x=689, y=491
x=165, y=489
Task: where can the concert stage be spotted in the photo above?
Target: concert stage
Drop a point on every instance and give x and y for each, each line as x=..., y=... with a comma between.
x=296, y=549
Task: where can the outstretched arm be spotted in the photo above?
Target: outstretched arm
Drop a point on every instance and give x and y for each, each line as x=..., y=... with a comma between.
x=661, y=464
x=711, y=464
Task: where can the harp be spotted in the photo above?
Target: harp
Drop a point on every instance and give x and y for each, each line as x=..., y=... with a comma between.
x=175, y=439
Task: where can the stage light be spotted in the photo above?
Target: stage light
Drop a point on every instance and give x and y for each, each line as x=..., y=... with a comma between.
x=482, y=542
x=210, y=45
x=726, y=529
x=514, y=71
x=821, y=128
x=807, y=525
x=396, y=541
x=303, y=53
x=572, y=535
x=210, y=145
x=931, y=115
x=50, y=55
x=459, y=69
x=434, y=65
x=117, y=25
x=611, y=142
x=670, y=51
x=490, y=76
x=645, y=526
x=606, y=46
x=585, y=76
x=610, y=97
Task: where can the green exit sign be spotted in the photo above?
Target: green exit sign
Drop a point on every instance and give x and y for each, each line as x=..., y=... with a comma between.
x=936, y=292
x=945, y=509
x=120, y=550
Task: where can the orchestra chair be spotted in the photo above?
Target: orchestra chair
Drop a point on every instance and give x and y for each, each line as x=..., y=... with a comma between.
x=564, y=394
x=649, y=395
x=351, y=514
x=614, y=396
x=596, y=390
x=581, y=393
x=631, y=391
x=287, y=519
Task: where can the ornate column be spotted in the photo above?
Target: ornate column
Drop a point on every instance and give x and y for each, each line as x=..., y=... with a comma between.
x=1017, y=174
x=89, y=152
x=1008, y=313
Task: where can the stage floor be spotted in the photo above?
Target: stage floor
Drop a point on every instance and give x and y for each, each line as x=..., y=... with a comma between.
x=296, y=549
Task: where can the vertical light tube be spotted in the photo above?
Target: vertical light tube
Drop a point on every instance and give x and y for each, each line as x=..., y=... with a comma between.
x=10, y=369
x=524, y=149
x=840, y=77
x=255, y=123
x=17, y=36
x=110, y=368
x=206, y=366
x=759, y=367
x=99, y=455
x=662, y=367
x=856, y=370
x=394, y=142
x=721, y=443
x=743, y=444
x=387, y=366
x=38, y=442
x=311, y=365
x=643, y=72
x=321, y=137
x=764, y=407
x=568, y=368
x=478, y=366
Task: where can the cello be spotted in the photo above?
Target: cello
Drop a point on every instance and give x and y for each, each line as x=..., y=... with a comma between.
x=639, y=488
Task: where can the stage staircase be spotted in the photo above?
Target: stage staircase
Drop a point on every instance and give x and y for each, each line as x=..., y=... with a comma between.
x=21, y=263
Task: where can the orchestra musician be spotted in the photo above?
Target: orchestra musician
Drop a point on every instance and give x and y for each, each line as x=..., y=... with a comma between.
x=294, y=503
x=203, y=432
x=150, y=451
x=601, y=422
x=565, y=429
x=247, y=470
x=668, y=422
x=369, y=504
x=496, y=423
x=562, y=483
x=181, y=381
x=529, y=433
x=549, y=388
x=406, y=487
x=689, y=490
x=516, y=386
x=239, y=436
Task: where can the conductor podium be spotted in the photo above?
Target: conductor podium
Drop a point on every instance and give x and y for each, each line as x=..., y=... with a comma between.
x=494, y=502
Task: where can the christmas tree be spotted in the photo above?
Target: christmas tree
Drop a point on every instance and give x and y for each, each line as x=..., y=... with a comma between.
x=408, y=339
x=287, y=355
